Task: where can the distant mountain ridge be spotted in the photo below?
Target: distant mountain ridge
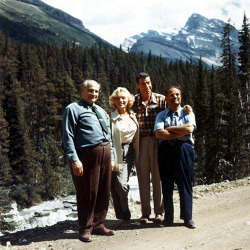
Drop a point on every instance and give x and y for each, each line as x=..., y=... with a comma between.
x=36, y=22
x=199, y=37
x=57, y=13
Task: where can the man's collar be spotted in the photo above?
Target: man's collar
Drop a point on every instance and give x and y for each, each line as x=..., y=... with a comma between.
x=84, y=103
x=178, y=111
x=152, y=98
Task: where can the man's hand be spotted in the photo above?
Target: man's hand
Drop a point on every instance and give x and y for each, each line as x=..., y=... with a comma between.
x=77, y=168
x=188, y=109
x=112, y=165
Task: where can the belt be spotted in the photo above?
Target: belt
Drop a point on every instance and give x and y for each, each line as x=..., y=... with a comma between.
x=104, y=143
x=124, y=144
x=175, y=142
x=150, y=135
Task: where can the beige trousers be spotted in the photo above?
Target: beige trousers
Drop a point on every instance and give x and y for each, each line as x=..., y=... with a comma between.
x=148, y=164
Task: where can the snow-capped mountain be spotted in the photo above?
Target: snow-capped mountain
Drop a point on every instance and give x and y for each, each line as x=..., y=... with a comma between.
x=199, y=37
x=167, y=33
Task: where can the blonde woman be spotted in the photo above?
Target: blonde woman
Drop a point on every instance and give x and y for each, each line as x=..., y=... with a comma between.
x=125, y=137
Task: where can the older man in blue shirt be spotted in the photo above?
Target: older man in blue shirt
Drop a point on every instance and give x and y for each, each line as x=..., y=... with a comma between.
x=176, y=156
x=87, y=142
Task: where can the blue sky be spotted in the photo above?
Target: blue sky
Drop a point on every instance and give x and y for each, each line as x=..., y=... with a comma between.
x=114, y=20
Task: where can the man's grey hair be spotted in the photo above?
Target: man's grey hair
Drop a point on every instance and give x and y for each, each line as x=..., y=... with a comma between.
x=85, y=83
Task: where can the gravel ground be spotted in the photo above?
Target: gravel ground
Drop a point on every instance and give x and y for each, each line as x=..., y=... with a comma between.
x=221, y=212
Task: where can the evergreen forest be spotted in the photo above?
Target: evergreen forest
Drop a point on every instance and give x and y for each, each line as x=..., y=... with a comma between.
x=38, y=81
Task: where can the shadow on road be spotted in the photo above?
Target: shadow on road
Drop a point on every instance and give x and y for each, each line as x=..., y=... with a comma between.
x=65, y=230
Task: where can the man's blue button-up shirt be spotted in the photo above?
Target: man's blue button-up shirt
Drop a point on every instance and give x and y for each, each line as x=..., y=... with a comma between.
x=81, y=128
x=164, y=119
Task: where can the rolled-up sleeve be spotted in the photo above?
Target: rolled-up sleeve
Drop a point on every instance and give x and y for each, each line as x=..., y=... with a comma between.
x=190, y=119
x=159, y=121
x=69, y=123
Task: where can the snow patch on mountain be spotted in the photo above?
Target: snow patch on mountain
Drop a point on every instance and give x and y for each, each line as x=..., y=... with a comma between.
x=165, y=32
x=199, y=37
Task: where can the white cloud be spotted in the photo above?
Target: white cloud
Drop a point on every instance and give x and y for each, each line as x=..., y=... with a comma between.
x=114, y=20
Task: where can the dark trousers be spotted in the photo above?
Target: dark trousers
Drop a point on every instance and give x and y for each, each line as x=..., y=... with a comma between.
x=119, y=184
x=176, y=161
x=93, y=188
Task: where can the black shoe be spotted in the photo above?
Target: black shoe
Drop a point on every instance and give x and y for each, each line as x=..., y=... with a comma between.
x=166, y=224
x=158, y=218
x=144, y=219
x=190, y=224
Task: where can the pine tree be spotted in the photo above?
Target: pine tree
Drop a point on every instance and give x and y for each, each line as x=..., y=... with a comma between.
x=5, y=170
x=230, y=88
x=189, y=84
x=51, y=172
x=87, y=65
x=244, y=67
x=201, y=111
x=244, y=114
x=244, y=50
x=6, y=175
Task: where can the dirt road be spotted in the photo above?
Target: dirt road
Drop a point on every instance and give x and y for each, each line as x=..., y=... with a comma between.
x=221, y=213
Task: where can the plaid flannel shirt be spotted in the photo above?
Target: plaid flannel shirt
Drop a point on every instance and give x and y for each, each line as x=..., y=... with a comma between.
x=146, y=114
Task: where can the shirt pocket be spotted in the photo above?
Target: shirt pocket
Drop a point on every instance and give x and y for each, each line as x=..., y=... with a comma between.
x=167, y=123
x=86, y=119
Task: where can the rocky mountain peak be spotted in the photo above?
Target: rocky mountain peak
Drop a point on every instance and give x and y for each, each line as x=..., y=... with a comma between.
x=195, y=21
x=200, y=24
x=199, y=37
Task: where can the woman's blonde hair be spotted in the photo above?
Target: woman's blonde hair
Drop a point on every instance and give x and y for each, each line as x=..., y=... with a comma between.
x=116, y=93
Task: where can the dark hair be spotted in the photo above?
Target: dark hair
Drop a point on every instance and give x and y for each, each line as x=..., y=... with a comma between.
x=170, y=87
x=141, y=75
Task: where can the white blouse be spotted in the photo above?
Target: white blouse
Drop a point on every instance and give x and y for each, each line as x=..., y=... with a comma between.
x=127, y=129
